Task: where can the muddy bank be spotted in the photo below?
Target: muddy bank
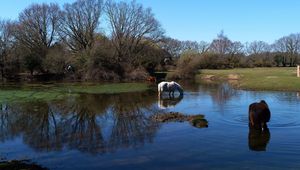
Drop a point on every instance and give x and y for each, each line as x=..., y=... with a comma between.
x=195, y=120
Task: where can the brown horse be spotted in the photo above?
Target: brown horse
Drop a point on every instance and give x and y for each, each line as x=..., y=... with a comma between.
x=259, y=115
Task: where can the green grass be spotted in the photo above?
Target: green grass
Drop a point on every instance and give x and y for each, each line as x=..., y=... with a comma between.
x=279, y=78
x=110, y=88
x=49, y=92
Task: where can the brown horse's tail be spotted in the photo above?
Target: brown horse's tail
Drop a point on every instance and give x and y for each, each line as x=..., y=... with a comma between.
x=251, y=115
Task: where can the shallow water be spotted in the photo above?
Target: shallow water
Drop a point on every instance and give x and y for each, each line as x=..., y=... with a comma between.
x=116, y=131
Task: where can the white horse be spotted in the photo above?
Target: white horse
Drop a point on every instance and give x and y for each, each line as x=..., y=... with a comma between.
x=169, y=87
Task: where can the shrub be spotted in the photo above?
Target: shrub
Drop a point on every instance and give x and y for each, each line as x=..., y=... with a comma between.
x=139, y=73
x=187, y=66
x=55, y=60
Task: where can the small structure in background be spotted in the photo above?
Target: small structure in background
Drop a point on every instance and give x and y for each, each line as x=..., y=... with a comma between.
x=151, y=79
x=298, y=70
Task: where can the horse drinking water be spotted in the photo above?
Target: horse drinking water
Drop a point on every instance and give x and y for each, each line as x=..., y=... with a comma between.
x=259, y=115
x=170, y=87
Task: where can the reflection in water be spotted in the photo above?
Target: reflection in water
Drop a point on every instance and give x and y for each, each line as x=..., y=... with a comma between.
x=4, y=123
x=78, y=123
x=121, y=125
x=20, y=164
x=258, y=140
x=224, y=93
x=131, y=123
x=220, y=92
x=167, y=102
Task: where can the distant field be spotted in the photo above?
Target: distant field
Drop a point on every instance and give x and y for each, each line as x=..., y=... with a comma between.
x=277, y=78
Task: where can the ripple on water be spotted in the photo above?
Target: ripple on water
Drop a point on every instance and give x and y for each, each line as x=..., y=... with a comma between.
x=234, y=120
x=278, y=120
x=284, y=120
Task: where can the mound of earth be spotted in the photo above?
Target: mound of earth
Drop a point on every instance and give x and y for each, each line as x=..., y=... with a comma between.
x=195, y=120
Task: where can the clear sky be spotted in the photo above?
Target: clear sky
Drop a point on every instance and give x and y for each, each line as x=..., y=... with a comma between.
x=197, y=20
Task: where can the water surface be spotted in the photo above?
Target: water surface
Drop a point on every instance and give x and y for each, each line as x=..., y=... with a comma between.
x=115, y=131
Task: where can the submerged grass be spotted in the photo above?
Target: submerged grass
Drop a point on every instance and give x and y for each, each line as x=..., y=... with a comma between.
x=108, y=88
x=277, y=78
x=49, y=92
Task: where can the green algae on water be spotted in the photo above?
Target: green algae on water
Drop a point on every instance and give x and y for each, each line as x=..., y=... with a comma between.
x=34, y=92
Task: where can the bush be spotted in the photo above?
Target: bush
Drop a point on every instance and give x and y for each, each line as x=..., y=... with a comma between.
x=187, y=66
x=55, y=60
x=32, y=63
x=101, y=74
x=139, y=73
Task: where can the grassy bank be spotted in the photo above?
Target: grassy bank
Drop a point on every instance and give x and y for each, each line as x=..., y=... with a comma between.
x=277, y=78
x=30, y=92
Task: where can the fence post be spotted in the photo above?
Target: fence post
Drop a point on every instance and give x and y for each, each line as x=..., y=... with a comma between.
x=298, y=70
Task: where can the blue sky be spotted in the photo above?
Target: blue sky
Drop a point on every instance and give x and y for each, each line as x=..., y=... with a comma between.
x=197, y=20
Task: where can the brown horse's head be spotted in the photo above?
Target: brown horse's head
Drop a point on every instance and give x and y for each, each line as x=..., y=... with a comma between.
x=259, y=115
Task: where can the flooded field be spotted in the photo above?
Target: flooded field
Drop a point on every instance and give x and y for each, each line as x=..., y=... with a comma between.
x=117, y=131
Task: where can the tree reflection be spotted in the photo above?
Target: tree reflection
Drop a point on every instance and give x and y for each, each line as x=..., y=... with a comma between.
x=81, y=129
x=38, y=124
x=131, y=124
x=220, y=92
x=5, y=122
x=79, y=123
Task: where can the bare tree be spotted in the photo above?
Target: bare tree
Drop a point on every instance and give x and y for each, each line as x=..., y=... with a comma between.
x=172, y=46
x=198, y=47
x=203, y=47
x=289, y=46
x=131, y=25
x=37, y=27
x=36, y=32
x=2, y=46
x=221, y=45
x=257, y=47
x=176, y=47
x=236, y=47
x=6, y=43
x=79, y=24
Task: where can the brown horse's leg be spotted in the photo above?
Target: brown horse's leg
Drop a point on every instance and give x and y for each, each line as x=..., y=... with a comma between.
x=251, y=116
x=264, y=126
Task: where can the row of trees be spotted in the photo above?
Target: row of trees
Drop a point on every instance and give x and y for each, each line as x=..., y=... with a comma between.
x=224, y=53
x=93, y=39
x=283, y=52
x=105, y=40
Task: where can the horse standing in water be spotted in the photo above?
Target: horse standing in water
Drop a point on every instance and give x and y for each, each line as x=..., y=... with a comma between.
x=259, y=115
x=170, y=87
